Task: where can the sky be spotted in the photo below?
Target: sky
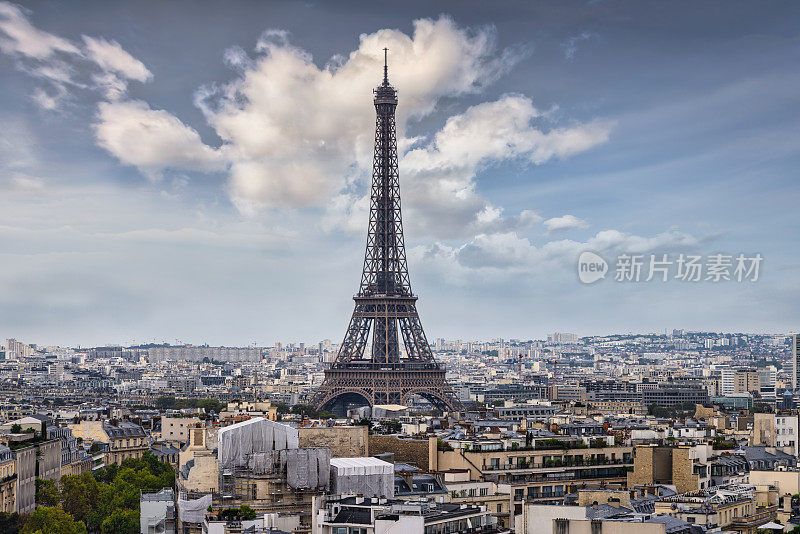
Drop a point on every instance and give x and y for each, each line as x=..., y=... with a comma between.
x=197, y=171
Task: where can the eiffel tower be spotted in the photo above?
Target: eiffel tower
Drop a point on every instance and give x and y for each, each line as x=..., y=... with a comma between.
x=384, y=304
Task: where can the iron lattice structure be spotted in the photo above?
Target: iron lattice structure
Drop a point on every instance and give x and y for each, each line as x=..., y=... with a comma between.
x=385, y=306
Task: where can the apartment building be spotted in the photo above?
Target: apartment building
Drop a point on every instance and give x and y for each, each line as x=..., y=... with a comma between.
x=544, y=472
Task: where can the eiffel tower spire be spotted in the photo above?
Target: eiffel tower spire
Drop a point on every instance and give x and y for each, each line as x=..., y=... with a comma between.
x=385, y=306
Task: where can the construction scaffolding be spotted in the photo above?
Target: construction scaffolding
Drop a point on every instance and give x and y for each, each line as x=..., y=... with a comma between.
x=238, y=442
x=369, y=477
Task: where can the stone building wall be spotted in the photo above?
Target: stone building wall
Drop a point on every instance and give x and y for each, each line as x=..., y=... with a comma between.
x=343, y=441
x=409, y=451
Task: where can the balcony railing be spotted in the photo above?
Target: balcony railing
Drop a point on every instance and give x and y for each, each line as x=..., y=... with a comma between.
x=762, y=515
x=557, y=464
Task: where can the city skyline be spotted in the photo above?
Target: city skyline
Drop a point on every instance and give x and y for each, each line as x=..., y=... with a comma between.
x=157, y=184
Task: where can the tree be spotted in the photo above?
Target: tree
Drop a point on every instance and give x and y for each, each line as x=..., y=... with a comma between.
x=121, y=522
x=392, y=427
x=105, y=501
x=80, y=496
x=365, y=422
x=52, y=520
x=246, y=512
x=46, y=492
x=305, y=410
x=16, y=428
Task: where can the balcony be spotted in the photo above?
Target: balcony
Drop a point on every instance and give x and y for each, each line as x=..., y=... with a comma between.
x=568, y=476
x=557, y=464
x=544, y=496
x=762, y=515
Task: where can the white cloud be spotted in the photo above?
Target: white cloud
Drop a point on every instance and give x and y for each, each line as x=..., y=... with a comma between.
x=439, y=178
x=299, y=133
x=110, y=56
x=19, y=36
x=45, y=100
x=18, y=182
x=507, y=253
x=117, y=66
x=98, y=64
x=570, y=46
x=565, y=222
x=152, y=140
x=27, y=183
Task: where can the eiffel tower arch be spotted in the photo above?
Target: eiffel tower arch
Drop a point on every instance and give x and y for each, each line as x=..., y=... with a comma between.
x=385, y=307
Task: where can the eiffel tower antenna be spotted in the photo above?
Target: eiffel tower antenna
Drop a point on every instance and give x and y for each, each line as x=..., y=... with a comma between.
x=385, y=307
x=385, y=66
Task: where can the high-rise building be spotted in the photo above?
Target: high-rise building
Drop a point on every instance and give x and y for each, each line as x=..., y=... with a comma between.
x=559, y=338
x=741, y=380
x=767, y=378
x=17, y=349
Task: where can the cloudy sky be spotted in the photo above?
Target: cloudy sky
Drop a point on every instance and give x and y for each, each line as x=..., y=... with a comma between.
x=198, y=171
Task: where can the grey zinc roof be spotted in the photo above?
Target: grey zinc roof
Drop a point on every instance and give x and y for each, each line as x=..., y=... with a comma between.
x=673, y=524
x=124, y=429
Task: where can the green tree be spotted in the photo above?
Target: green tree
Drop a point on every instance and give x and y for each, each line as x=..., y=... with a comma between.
x=16, y=428
x=393, y=427
x=121, y=522
x=52, y=520
x=107, y=474
x=165, y=403
x=306, y=410
x=246, y=512
x=80, y=496
x=46, y=492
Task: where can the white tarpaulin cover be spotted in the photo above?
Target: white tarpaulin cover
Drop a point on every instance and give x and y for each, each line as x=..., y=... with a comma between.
x=369, y=477
x=238, y=442
x=308, y=468
x=302, y=468
x=194, y=510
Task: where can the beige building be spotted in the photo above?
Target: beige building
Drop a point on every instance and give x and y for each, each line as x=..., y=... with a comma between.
x=746, y=381
x=594, y=526
x=559, y=519
x=176, y=429
x=124, y=439
x=198, y=472
x=484, y=493
x=723, y=509
x=253, y=409
x=683, y=467
x=776, y=430
x=537, y=474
